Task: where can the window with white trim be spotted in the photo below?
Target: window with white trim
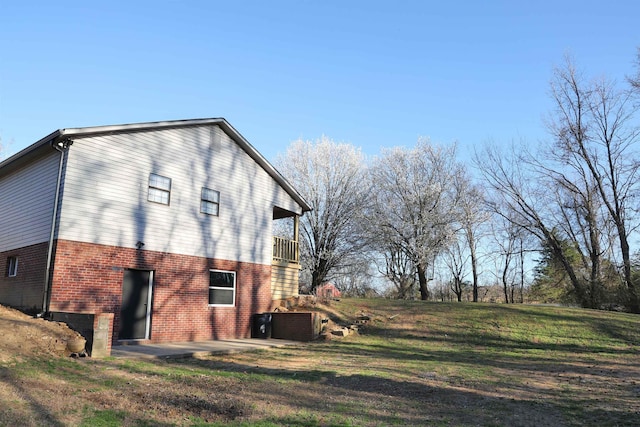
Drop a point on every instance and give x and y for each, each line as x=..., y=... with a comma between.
x=222, y=288
x=210, y=201
x=159, y=189
x=12, y=266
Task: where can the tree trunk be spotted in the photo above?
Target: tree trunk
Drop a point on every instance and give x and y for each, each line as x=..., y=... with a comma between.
x=504, y=283
x=474, y=272
x=474, y=260
x=457, y=288
x=578, y=287
x=634, y=304
x=318, y=276
x=422, y=279
x=315, y=281
x=596, y=283
x=521, y=273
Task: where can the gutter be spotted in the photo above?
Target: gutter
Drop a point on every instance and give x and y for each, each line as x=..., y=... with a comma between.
x=61, y=145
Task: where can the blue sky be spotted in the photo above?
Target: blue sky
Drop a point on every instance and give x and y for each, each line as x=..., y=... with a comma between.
x=374, y=74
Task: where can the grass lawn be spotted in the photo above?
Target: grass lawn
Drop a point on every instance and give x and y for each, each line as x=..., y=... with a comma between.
x=414, y=363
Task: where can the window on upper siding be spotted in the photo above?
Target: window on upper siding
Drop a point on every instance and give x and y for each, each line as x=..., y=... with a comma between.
x=210, y=201
x=12, y=266
x=159, y=189
x=222, y=287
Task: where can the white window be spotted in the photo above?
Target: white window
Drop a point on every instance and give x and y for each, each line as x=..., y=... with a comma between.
x=159, y=189
x=222, y=287
x=210, y=201
x=12, y=266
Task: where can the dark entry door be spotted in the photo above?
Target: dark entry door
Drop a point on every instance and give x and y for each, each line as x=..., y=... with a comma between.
x=135, y=312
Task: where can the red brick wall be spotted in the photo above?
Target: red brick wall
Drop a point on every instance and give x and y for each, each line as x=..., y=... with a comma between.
x=25, y=291
x=88, y=278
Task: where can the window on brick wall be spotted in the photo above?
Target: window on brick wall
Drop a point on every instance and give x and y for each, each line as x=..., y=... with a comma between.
x=159, y=189
x=210, y=201
x=222, y=287
x=12, y=266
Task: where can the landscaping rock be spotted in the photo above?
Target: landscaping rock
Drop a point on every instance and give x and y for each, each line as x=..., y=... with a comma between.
x=342, y=332
x=363, y=319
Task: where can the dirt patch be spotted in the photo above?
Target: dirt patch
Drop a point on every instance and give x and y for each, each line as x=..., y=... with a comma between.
x=23, y=336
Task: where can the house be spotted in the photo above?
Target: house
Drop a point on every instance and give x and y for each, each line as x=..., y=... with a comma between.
x=161, y=230
x=328, y=291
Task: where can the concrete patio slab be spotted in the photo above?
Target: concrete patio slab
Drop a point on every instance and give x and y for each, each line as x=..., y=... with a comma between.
x=195, y=349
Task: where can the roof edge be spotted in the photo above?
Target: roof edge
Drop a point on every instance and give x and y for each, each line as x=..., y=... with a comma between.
x=84, y=131
x=223, y=123
x=266, y=165
x=26, y=153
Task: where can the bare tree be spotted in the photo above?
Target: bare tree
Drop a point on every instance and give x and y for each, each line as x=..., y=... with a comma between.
x=456, y=259
x=634, y=81
x=415, y=205
x=593, y=126
x=585, y=184
x=399, y=270
x=522, y=198
x=331, y=176
x=578, y=214
x=357, y=280
x=472, y=217
x=584, y=226
x=508, y=239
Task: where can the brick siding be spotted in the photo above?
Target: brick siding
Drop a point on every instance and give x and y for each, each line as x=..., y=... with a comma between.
x=25, y=290
x=88, y=278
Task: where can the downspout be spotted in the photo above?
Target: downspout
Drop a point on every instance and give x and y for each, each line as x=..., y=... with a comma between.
x=61, y=145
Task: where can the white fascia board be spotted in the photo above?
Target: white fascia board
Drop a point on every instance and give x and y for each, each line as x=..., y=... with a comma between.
x=25, y=155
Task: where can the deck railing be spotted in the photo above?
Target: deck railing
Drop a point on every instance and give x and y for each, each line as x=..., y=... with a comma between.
x=285, y=250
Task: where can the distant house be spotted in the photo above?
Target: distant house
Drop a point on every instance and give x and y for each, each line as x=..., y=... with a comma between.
x=327, y=290
x=166, y=225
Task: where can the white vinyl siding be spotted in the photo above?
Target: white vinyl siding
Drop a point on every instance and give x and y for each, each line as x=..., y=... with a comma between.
x=106, y=190
x=26, y=203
